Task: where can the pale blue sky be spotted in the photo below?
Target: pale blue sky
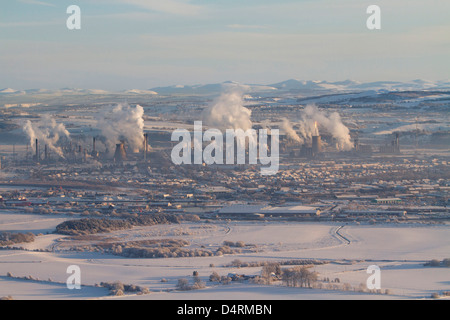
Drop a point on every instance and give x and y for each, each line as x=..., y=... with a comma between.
x=147, y=43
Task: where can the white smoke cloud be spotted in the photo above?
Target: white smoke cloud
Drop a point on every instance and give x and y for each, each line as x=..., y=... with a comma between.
x=228, y=111
x=48, y=132
x=289, y=130
x=122, y=123
x=313, y=120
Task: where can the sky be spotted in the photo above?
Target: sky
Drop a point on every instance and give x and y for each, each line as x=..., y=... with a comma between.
x=142, y=44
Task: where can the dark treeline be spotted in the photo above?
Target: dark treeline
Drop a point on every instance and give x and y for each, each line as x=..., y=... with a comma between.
x=93, y=225
x=7, y=238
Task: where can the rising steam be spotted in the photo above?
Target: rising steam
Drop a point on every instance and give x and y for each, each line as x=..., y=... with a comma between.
x=48, y=132
x=313, y=120
x=291, y=133
x=228, y=111
x=122, y=123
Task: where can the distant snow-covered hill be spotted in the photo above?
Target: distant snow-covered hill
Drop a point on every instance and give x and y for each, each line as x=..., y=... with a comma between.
x=292, y=86
x=8, y=91
x=211, y=88
x=351, y=85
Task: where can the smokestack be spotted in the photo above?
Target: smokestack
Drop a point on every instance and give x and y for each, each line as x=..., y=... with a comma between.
x=94, y=153
x=397, y=142
x=316, y=145
x=46, y=153
x=145, y=146
x=120, y=154
x=37, y=150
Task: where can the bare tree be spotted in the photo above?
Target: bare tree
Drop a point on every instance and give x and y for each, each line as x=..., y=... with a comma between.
x=214, y=277
x=198, y=283
x=269, y=271
x=299, y=276
x=446, y=263
x=183, y=284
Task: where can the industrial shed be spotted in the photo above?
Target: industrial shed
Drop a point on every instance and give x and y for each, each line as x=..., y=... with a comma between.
x=255, y=211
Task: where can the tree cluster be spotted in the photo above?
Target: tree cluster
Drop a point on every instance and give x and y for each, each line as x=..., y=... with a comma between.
x=7, y=238
x=299, y=277
x=436, y=263
x=93, y=225
x=119, y=289
x=184, y=284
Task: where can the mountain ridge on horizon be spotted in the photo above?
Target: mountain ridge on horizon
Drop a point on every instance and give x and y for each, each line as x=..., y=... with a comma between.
x=287, y=85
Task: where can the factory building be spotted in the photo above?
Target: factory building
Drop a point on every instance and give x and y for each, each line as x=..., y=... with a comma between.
x=388, y=201
x=394, y=147
x=261, y=211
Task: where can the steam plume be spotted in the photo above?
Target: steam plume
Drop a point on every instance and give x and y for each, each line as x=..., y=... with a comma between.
x=122, y=123
x=289, y=130
x=312, y=120
x=228, y=111
x=48, y=132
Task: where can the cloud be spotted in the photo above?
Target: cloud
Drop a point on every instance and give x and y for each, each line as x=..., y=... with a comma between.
x=244, y=26
x=29, y=23
x=40, y=3
x=176, y=7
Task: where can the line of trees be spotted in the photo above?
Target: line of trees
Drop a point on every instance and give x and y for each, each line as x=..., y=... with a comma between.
x=119, y=289
x=299, y=276
x=184, y=284
x=93, y=225
x=299, y=262
x=8, y=238
x=237, y=244
x=437, y=263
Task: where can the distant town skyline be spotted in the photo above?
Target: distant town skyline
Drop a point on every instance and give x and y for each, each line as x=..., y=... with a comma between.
x=145, y=44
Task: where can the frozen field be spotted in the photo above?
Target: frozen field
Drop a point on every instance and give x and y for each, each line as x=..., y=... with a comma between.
x=399, y=250
x=21, y=222
x=29, y=290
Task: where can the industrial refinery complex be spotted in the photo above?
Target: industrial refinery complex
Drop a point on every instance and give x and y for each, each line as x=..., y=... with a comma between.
x=322, y=177
x=87, y=181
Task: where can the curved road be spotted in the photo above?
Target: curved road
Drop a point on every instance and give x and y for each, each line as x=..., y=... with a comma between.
x=340, y=236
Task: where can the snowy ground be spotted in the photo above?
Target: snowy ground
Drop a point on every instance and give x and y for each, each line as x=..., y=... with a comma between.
x=399, y=250
x=32, y=290
x=20, y=222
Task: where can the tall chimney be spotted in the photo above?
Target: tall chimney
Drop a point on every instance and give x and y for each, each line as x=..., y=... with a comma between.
x=145, y=146
x=46, y=153
x=94, y=152
x=316, y=145
x=37, y=150
x=397, y=142
x=356, y=144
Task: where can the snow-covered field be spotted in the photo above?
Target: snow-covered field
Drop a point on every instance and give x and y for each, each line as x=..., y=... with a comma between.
x=19, y=222
x=31, y=290
x=399, y=250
